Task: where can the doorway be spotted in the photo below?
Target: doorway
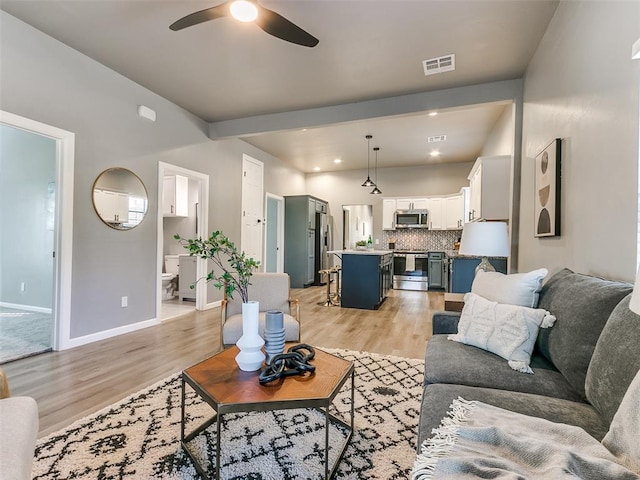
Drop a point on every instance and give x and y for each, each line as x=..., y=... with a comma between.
x=274, y=234
x=174, y=293
x=36, y=225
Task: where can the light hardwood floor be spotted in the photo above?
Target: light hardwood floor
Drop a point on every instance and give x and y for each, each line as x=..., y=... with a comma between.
x=71, y=384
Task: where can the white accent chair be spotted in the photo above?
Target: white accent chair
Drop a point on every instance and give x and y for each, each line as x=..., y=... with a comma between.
x=18, y=433
x=271, y=290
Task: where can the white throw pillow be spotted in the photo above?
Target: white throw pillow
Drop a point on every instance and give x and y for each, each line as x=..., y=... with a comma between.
x=509, y=331
x=515, y=289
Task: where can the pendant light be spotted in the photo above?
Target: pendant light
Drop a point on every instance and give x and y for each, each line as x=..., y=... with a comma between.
x=376, y=190
x=368, y=182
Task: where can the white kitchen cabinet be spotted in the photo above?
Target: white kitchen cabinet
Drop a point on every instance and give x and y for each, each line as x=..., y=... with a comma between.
x=113, y=207
x=436, y=213
x=412, y=203
x=489, y=188
x=175, y=196
x=388, y=213
x=454, y=211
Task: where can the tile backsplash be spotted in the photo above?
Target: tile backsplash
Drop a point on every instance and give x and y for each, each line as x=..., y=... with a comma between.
x=421, y=240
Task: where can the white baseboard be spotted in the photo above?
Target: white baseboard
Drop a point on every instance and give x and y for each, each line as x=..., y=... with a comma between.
x=28, y=308
x=114, y=332
x=211, y=305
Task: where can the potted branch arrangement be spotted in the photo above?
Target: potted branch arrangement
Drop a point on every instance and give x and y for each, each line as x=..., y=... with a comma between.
x=232, y=272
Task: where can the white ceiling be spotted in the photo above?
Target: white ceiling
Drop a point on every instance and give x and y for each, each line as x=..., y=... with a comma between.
x=369, y=49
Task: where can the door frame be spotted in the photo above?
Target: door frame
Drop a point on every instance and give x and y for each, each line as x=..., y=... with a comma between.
x=202, y=225
x=279, y=233
x=63, y=234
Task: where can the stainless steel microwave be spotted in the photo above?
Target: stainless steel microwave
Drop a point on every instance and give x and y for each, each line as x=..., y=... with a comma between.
x=411, y=219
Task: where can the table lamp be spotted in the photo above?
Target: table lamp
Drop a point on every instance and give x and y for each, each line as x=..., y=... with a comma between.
x=485, y=239
x=634, y=305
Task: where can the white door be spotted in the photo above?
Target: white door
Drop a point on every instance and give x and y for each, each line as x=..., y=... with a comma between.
x=252, y=207
x=274, y=235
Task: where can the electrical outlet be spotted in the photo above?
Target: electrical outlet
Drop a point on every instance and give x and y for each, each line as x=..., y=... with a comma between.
x=124, y=301
x=377, y=241
x=23, y=286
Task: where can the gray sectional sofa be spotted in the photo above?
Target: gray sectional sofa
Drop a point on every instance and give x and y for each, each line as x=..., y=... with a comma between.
x=582, y=365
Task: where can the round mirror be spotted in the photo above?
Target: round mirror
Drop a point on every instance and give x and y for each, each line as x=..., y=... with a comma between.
x=120, y=198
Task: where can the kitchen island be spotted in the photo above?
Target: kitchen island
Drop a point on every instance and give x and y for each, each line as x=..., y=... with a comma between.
x=366, y=277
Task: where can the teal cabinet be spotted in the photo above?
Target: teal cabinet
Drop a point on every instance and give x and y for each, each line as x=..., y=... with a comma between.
x=366, y=280
x=463, y=270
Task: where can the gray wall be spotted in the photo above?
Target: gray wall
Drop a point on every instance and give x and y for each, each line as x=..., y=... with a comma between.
x=344, y=188
x=500, y=141
x=582, y=86
x=47, y=81
x=27, y=172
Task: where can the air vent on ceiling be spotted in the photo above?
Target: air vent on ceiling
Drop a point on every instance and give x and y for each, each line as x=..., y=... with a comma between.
x=439, y=64
x=437, y=138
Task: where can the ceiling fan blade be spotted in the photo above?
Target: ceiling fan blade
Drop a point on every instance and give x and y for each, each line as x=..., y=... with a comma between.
x=205, y=15
x=278, y=26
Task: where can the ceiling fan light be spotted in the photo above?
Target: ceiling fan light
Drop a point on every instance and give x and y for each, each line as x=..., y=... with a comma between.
x=244, y=11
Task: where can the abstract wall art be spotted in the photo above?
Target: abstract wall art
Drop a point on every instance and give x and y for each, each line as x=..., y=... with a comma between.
x=547, y=191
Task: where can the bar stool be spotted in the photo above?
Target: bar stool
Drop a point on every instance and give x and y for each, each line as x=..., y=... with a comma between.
x=337, y=295
x=326, y=275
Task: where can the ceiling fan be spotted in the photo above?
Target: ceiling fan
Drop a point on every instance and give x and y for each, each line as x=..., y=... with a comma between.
x=250, y=11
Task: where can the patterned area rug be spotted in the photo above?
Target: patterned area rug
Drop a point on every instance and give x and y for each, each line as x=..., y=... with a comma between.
x=23, y=333
x=139, y=437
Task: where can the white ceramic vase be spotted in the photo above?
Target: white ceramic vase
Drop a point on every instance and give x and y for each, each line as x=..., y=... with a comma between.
x=250, y=344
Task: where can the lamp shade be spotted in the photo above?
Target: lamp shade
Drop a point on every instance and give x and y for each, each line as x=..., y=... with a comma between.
x=635, y=296
x=485, y=239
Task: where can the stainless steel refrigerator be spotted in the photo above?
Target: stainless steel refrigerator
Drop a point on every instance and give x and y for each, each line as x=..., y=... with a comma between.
x=323, y=243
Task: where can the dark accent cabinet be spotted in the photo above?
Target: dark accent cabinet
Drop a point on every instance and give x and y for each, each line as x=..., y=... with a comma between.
x=437, y=270
x=304, y=230
x=462, y=270
x=366, y=280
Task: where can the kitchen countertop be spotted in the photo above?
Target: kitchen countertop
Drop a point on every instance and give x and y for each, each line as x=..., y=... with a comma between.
x=360, y=252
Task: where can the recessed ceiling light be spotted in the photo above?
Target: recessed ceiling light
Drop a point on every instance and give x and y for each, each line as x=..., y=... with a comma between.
x=435, y=153
x=433, y=114
x=304, y=129
x=337, y=160
x=316, y=169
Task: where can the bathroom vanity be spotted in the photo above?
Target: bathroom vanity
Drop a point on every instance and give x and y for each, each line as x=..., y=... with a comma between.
x=186, y=277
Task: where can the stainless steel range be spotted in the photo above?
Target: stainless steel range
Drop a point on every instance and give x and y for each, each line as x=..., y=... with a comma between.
x=410, y=270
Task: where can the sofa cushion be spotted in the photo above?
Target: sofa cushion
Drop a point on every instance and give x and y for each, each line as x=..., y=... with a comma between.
x=581, y=304
x=624, y=432
x=455, y=363
x=506, y=330
x=514, y=289
x=615, y=361
x=444, y=322
x=436, y=400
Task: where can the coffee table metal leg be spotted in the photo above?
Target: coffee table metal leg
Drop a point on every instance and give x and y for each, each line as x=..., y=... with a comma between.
x=326, y=443
x=182, y=413
x=218, y=423
x=353, y=381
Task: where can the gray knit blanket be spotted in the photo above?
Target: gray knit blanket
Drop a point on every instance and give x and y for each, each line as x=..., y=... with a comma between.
x=477, y=440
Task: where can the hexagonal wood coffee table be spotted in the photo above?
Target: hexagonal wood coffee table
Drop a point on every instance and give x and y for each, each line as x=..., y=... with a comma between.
x=227, y=389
